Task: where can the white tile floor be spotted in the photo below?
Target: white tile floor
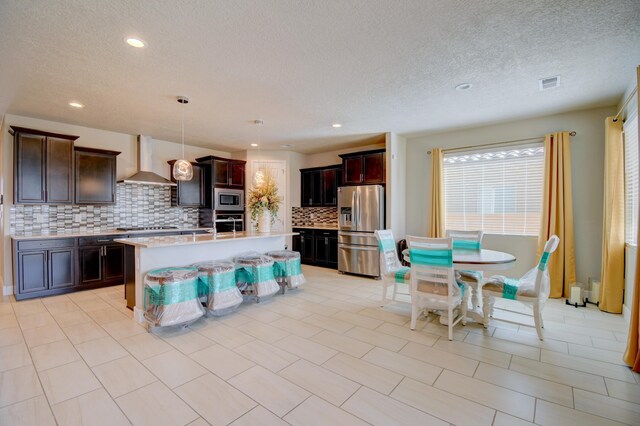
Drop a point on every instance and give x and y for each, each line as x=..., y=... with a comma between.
x=326, y=354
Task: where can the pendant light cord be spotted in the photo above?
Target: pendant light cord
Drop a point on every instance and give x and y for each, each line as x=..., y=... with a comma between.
x=182, y=130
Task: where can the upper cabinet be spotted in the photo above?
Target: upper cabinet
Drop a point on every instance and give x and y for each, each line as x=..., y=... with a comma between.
x=319, y=186
x=95, y=176
x=224, y=172
x=188, y=193
x=43, y=167
x=364, y=168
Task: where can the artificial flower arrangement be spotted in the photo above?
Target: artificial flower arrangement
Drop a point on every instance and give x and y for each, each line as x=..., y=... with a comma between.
x=263, y=197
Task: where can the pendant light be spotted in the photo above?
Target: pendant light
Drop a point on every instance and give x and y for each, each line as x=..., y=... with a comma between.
x=182, y=169
x=259, y=176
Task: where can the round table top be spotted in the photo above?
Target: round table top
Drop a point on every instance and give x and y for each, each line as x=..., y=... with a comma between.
x=483, y=259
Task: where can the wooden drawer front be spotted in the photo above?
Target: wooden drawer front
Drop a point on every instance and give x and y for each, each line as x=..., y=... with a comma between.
x=322, y=233
x=98, y=240
x=44, y=244
x=303, y=231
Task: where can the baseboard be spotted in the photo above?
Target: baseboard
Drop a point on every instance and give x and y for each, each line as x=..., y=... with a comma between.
x=7, y=290
x=626, y=313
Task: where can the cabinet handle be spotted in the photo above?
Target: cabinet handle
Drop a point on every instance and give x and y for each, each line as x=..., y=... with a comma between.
x=103, y=241
x=326, y=241
x=361, y=177
x=229, y=180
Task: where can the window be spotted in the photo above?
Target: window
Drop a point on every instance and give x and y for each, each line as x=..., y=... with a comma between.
x=496, y=190
x=630, y=134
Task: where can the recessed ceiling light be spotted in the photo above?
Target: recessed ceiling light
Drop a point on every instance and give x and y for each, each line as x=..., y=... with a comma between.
x=287, y=145
x=464, y=86
x=254, y=144
x=135, y=42
x=336, y=125
x=76, y=104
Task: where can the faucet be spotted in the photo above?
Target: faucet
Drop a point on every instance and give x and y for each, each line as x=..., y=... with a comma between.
x=234, y=225
x=214, y=231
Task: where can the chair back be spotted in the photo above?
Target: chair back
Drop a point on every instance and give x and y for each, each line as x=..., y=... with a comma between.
x=550, y=246
x=389, y=261
x=466, y=240
x=431, y=262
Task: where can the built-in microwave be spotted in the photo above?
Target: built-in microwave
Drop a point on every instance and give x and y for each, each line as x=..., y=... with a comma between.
x=229, y=199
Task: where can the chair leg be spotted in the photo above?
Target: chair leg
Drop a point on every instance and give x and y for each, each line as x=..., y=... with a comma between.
x=537, y=320
x=395, y=291
x=450, y=322
x=541, y=309
x=464, y=304
x=384, y=292
x=487, y=308
x=414, y=314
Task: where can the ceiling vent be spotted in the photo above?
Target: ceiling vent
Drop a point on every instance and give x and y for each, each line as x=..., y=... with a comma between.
x=549, y=82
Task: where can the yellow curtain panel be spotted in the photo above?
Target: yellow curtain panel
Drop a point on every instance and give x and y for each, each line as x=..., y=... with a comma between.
x=436, y=218
x=612, y=272
x=632, y=354
x=557, y=212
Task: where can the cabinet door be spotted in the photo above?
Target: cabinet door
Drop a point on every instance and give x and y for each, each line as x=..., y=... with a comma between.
x=321, y=255
x=306, y=184
x=59, y=171
x=220, y=173
x=30, y=175
x=329, y=187
x=353, y=170
x=32, y=271
x=95, y=178
x=62, y=264
x=306, y=248
x=374, y=168
x=296, y=243
x=113, y=263
x=90, y=260
x=332, y=257
x=191, y=192
x=236, y=174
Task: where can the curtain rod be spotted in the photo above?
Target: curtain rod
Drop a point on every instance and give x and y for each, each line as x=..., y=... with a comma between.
x=462, y=148
x=624, y=105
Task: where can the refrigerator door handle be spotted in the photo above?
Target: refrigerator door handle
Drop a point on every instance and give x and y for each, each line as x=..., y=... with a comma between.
x=354, y=206
x=359, y=209
x=364, y=248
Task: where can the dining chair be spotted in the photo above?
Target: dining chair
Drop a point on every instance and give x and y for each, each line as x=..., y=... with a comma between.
x=393, y=273
x=469, y=240
x=433, y=284
x=532, y=289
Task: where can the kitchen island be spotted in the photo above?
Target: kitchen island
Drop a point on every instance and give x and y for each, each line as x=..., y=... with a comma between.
x=145, y=254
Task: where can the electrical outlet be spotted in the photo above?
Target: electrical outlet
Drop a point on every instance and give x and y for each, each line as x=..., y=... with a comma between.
x=77, y=217
x=37, y=217
x=185, y=217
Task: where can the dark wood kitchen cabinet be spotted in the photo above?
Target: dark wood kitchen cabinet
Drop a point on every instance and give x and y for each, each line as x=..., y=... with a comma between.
x=43, y=167
x=225, y=172
x=319, y=186
x=364, y=168
x=318, y=247
x=100, y=261
x=188, y=193
x=44, y=267
x=95, y=176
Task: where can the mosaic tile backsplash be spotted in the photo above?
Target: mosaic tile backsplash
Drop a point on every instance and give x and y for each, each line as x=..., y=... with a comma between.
x=309, y=216
x=136, y=205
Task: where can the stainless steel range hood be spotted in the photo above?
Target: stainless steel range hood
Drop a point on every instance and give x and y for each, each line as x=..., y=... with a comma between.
x=145, y=175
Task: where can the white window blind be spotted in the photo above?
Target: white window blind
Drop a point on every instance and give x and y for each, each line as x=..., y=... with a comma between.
x=630, y=128
x=498, y=190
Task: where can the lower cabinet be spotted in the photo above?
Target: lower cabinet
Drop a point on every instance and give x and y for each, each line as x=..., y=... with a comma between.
x=317, y=247
x=43, y=267
x=101, y=261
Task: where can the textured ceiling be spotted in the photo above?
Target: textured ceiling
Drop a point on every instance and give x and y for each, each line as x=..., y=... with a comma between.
x=300, y=65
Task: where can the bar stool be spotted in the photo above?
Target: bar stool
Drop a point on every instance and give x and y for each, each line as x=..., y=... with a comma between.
x=218, y=285
x=254, y=275
x=171, y=296
x=287, y=269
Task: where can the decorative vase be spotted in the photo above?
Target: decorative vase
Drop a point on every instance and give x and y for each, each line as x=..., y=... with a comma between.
x=264, y=222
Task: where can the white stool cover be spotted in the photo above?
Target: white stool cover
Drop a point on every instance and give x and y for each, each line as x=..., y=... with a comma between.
x=287, y=265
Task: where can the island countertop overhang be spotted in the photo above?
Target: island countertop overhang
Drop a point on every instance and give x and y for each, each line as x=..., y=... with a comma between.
x=196, y=239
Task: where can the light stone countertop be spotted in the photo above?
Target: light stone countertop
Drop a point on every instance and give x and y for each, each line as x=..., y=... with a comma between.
x=324, y=227
x=187, y=240
x=92, y=232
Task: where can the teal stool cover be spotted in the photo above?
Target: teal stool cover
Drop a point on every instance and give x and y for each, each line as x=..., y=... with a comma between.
x=287, y=267
x=217, y=282
x=254, y=272
x=171, y=296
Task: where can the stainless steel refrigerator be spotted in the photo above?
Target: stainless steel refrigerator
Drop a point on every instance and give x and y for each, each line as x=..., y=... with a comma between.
x=360, y=213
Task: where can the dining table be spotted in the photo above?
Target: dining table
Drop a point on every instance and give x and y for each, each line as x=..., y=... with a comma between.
x=483, y=260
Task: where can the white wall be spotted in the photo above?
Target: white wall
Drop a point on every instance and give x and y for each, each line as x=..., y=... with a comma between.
x=396, y=184
x=333, y=157
x=88, y=137
x=587, y=151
